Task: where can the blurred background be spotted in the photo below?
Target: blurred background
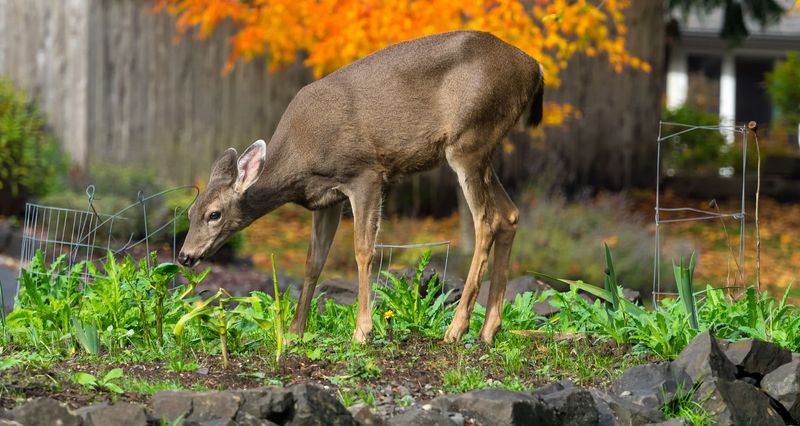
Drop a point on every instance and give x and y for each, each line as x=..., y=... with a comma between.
x=142, y=95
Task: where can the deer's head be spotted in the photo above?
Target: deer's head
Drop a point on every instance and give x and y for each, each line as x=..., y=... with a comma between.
x=220, y=210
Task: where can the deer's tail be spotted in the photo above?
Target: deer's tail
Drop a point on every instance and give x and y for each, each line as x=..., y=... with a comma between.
x=537, y=104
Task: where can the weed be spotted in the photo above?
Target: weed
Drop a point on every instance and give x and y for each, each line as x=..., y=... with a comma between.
x=107, y=382
x=684, y=405
x=178, y=365
x=409, y=310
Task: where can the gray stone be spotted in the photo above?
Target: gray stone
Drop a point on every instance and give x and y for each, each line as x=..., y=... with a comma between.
x=214, y=422
x=416, y=416
x=632, y=295
x=315, y=406
x=272, y=404
x=783, y=384
x=737, y=403
x=651, y=385
x=44, y=412
x=757, y=357
x=703, y=359
x=364, y=416
x=551, y=388
x=171, y=405
x=613, y=410
x=247, y=419
x=285, y=282
x=519, y=285
x=208, y=406
x=8, y=279
x=121, y=413
x=4, y=422
x=673, y=422
x=572, y=405
x=339, y=290
x=499, y=407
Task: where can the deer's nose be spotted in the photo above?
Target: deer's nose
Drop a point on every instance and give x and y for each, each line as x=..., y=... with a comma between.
x=186, y=260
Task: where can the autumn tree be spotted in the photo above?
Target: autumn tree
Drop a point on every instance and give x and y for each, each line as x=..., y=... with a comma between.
x=333, y=33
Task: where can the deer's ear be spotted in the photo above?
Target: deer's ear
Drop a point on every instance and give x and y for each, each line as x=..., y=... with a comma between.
x=250, y=165
x=224, y=169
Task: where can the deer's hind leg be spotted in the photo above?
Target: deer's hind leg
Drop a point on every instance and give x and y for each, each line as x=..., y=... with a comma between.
x=475, y=178
x=323, y=229
x=506, y=228
x=365, y=198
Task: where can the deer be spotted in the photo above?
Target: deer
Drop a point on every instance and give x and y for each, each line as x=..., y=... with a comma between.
x=407, y=108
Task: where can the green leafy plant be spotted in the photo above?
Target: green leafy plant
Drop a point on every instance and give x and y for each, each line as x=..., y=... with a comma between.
x=698, y=151
x=213, y=315
x=87, y=336
x=159, y=280
x=684, y=276
x=411, y=311
x=180, y=365
x=107, y=382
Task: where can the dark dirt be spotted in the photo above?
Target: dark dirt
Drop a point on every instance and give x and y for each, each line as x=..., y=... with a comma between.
x=415, y=367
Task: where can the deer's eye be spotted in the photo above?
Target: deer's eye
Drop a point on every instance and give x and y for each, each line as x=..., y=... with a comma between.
x=214, y=216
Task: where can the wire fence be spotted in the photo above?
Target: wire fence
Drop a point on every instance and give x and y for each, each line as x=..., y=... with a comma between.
x=85, y=238
x=665, y=216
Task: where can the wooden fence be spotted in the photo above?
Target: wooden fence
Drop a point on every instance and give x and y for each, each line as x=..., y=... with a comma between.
x=118, y=87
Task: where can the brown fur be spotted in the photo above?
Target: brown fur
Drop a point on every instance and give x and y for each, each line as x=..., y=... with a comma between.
x=404, y=109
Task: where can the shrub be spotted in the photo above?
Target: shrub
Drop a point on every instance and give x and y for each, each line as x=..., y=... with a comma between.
x=783, y=87
x=698, y=151
x=565, y=239
x=30, y=160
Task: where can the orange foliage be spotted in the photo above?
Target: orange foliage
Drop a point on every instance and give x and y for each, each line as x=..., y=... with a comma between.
x=334, y=33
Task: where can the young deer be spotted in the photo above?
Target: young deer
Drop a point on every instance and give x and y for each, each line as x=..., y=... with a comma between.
x=401, y=110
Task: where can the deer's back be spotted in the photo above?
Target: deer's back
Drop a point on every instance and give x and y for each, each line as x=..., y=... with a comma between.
x=398, y=108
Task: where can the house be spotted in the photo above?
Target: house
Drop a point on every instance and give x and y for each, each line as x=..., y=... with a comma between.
x=727, y=80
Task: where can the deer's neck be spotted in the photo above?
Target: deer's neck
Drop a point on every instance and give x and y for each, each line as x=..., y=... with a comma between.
x=277, y=185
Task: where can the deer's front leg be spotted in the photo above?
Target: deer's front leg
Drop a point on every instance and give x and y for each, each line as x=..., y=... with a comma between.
x=365, y=199
x=323, y=229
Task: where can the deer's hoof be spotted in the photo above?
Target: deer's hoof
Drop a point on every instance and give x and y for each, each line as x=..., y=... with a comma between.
x=361, y=335
x=455, y=331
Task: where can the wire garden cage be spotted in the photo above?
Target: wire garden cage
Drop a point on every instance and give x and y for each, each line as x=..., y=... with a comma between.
x=80, y=238
x=669, y=135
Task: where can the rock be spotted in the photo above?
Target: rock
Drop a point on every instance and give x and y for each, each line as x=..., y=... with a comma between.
x=703, y=359
x=195, y=407
x=267, y=404
x=783, y=384
x=169, y=405
x=499, y=407
x=246, y=419
x=121, y=413
x=649, y=385
x=339, y=290
x=737, y=403
x=364, y=416
x=519, y=285
x=613, y=410
x=44, y=412
x=215, y=422
x=285, y=282
x=757, y=357
x=416, y=416
x=632, y=295
x=573, y=405
x=673, y=422
x=315, y=406
x=4, y=422
x=207, y=406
